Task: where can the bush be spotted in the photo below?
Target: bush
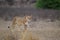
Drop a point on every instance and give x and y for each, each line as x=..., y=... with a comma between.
x=50, y=4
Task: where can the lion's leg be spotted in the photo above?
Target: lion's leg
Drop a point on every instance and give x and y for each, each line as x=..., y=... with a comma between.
x=25, y=27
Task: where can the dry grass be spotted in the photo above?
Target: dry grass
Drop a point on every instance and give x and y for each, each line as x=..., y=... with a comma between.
x=27, y=35
x=40, y=30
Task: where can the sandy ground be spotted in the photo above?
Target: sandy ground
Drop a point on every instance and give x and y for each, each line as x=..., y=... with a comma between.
x=44, y=30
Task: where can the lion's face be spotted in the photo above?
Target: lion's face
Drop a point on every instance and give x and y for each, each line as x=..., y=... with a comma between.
x=28, y=18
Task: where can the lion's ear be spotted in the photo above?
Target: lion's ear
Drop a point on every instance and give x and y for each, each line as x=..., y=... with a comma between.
x=31, y=15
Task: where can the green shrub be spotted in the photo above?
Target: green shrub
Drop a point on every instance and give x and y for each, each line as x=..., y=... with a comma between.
x=50, y=4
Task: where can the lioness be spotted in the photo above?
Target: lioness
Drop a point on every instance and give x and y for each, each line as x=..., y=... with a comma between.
x=21, y=21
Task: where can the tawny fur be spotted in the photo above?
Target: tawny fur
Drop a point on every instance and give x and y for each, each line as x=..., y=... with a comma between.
x=21, y=21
